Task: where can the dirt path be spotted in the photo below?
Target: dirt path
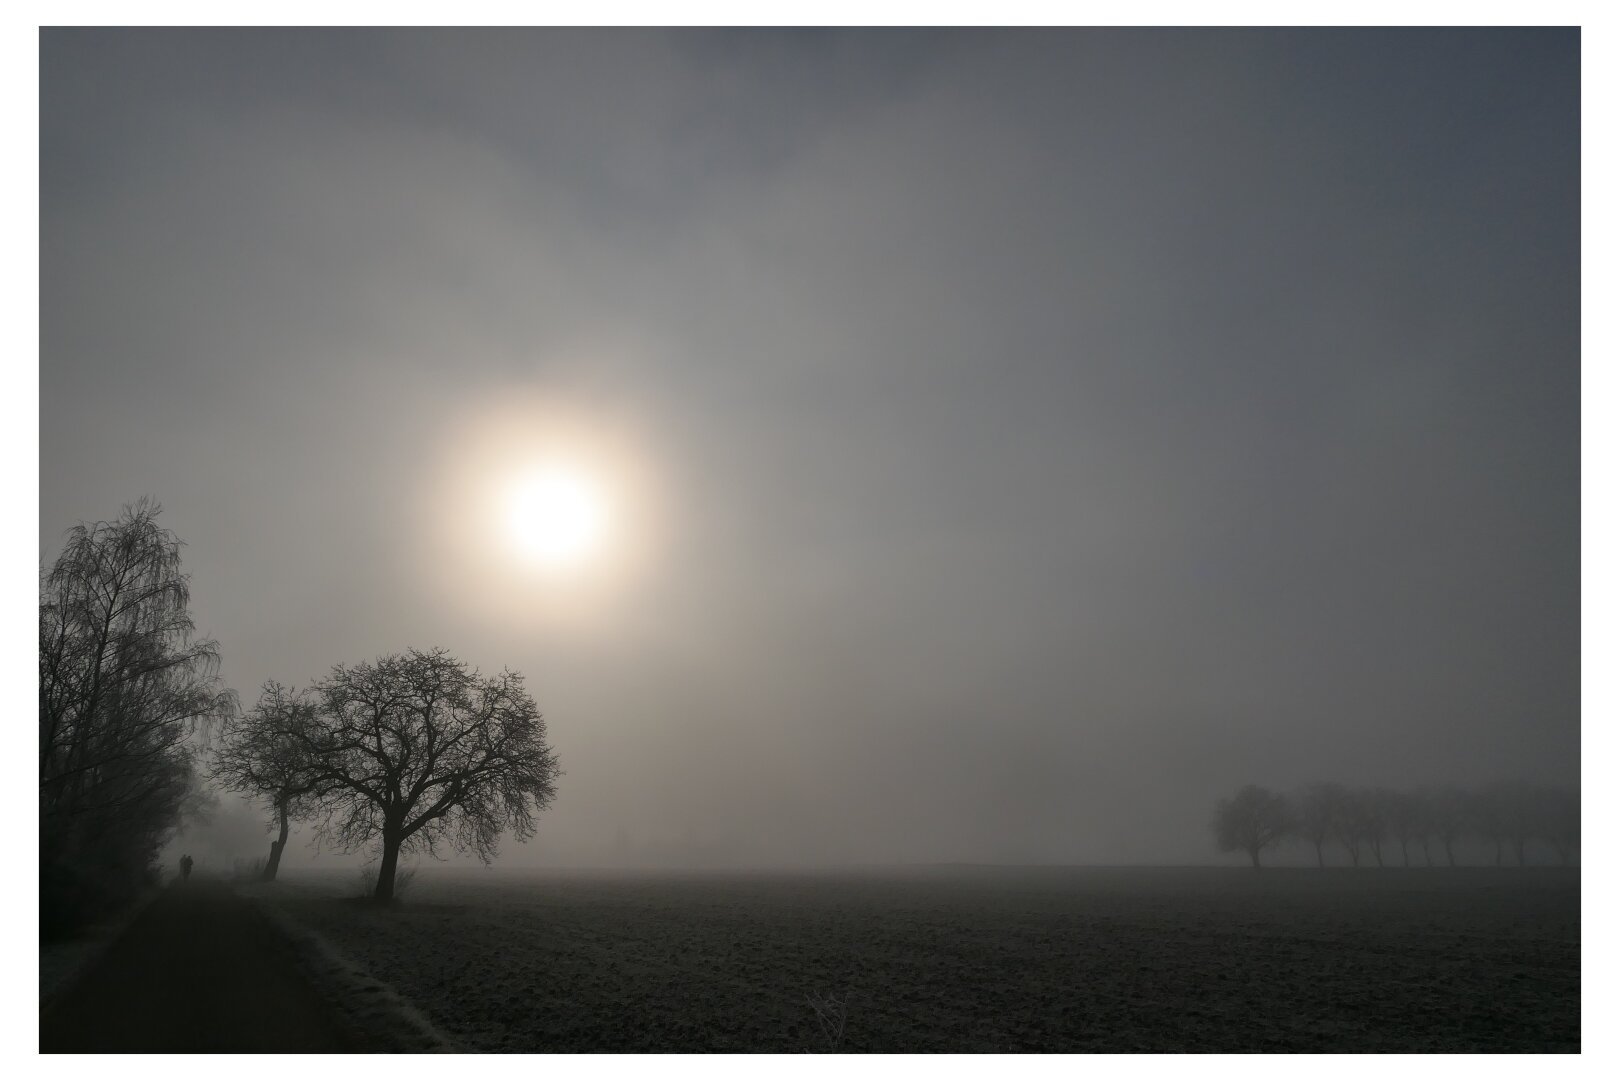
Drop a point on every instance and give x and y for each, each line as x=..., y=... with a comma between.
x=199, y=971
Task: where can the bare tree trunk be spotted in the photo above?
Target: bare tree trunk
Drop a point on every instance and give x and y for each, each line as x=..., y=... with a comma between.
x=1405, y=859
x=1319, y=863
x=384, y=893
x=277, y=846
x=1451, y=856
x=1254, y=856
x=1378, y=852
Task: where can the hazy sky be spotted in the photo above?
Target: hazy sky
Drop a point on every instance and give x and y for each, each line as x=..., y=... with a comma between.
x=1016, y=440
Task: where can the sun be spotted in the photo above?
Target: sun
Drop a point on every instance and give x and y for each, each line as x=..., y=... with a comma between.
x=545, y=511
x=556, y=516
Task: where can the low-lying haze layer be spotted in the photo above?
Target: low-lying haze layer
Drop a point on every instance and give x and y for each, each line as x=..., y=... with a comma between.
x=1023, y=438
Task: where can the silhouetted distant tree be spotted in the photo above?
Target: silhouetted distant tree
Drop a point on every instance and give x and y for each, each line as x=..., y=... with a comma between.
x=1399, y=812
x=418, y=750
x=265, y=754
x=1487, y=818
x=1558, y=814
x=1448, y=817
x=122, y=688
x=1318, y=810
x=1422, y=809
x=1370, y=822
x=1348, y=824
x=1252, y=820
x=1517, y=809
x=1508, y=815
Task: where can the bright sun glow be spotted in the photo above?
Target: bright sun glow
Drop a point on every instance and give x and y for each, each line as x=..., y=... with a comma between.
x=544, y=512
x=556, y=516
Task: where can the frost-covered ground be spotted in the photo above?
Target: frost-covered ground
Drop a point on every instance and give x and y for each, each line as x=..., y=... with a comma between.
x=976, y=959
x=388, y=1021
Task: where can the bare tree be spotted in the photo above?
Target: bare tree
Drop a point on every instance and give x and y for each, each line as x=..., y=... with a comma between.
x=1348, y=827
x=122, y=688
x=1518, y=810
x=1448, y=818
x=1398, y=812
x=1318, y=810
x=417, y=750
x=1558, y=820
x=1252, y=820
x=264, y=754
x=1368, y=814
x=1487, y=818
x=1423, y=821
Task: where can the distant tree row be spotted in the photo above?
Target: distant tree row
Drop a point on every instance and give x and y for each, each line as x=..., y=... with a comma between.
x=1373, y=822
x=123, y=687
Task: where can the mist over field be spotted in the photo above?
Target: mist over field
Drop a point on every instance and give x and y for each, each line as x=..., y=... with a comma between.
x=1028, y=437
x=714, y=541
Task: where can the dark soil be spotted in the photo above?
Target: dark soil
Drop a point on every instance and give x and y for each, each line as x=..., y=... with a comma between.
x=200, y=971
x=985, y=959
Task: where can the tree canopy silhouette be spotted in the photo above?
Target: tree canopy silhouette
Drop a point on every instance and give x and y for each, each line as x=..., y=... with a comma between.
x=417, y=750
x=122, y=687
x=1252, y=820
x=1317, y=812
x=264, y=754
x=1503, y=815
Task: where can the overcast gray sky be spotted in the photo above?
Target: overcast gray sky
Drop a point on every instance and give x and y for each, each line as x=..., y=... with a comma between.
x=1016, y=440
